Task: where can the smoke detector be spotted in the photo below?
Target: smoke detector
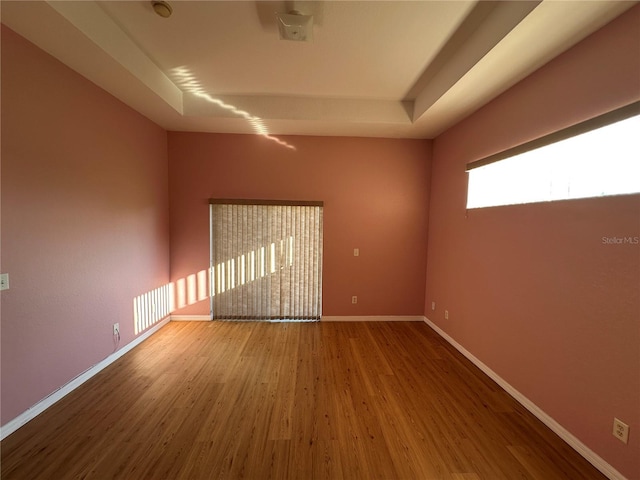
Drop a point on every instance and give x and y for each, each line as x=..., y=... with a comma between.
x=162, y=8
x=295, y=26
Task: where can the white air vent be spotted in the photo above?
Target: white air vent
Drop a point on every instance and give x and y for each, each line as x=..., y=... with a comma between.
x=295, y=26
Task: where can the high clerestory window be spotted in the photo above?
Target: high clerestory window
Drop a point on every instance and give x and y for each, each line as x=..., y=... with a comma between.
x=599, y=157
x=266, y=260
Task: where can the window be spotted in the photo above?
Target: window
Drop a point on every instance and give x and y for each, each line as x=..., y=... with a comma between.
x=599, y=157
x=266, y=260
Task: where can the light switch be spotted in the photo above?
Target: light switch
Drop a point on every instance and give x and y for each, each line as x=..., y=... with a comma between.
x=4, y=281
x=356, y=252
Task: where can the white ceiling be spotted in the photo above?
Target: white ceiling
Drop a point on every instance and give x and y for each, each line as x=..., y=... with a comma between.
x=374, y=68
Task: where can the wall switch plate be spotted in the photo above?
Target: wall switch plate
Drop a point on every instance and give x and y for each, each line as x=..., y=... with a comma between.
x=356, y=252
x=354, y=299
x=620, y=430
x=4, y=281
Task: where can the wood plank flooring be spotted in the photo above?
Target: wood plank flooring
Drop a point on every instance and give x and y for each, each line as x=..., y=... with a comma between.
x=213, y=400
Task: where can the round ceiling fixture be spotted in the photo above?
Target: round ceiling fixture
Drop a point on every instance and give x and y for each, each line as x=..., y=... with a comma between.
x=162, y=8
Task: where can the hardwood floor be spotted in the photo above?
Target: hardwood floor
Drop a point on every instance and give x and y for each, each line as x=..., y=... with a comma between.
x=205, y=400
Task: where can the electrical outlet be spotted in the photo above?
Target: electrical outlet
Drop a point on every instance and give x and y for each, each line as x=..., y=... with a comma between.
x=4, y=281
x=116, y=329
x=433, y=305
x=446, y=314
x=354, y=299
x=356, y=252
x=620, y=430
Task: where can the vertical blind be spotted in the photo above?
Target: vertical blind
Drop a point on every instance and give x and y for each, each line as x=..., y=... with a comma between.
x=266, y=260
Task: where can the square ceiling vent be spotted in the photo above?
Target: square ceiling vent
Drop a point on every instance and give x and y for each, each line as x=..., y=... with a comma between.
x=295, y=26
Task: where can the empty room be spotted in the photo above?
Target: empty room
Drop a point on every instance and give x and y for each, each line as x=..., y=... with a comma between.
x=320, y=240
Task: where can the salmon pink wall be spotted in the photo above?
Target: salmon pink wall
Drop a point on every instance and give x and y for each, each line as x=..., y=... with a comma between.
x=532, y=290
x=84, y=222
x=376, y=199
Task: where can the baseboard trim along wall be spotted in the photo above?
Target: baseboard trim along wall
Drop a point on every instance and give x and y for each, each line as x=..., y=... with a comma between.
x=190, y=318
x=372, y=318
x=48, y=401
x=558, y=429
x=324, y=318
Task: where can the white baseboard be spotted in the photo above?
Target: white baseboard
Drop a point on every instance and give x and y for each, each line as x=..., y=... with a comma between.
x=190, y=318
x=48, y=401
x=558, y=429
x=324, y=318
x=372, y=318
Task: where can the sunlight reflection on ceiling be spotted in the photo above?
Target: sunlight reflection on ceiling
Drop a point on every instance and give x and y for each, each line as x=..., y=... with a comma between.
x=188, y=82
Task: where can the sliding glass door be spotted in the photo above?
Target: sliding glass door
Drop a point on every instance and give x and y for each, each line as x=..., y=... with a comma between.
x=266, y=260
